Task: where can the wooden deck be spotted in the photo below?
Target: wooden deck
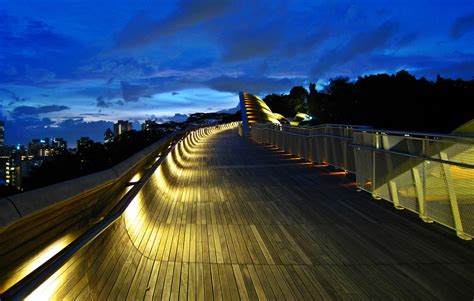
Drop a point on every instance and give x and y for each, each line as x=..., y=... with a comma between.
x=226, y=218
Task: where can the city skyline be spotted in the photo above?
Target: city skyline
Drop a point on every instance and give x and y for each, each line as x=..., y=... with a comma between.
x=72, y=70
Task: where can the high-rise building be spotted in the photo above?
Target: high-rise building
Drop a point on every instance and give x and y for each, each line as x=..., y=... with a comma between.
x=10, y=160
x=5, y=154
x=2, y=133
x=108, y=136
x=148, y=125
x=121, y=127
x=84, y=143
x=46, y=142
x=59, y=145
x=12, y=172
x=41, y=148
x=34, y=148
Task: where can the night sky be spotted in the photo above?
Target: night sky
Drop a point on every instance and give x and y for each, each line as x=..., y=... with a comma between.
x=70, y=68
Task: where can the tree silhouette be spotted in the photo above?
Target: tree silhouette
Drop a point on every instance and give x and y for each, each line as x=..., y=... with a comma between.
x=399, y=102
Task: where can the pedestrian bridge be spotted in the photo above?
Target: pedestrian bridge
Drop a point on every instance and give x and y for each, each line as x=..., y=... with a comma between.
x=209, y=214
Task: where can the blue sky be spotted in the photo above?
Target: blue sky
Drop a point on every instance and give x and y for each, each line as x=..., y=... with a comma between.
x=70, y=68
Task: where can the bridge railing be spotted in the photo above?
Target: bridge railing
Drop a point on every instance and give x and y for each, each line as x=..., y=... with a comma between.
x=329, y=143
x=37, y=223
x=430, y=174
x=42, y=228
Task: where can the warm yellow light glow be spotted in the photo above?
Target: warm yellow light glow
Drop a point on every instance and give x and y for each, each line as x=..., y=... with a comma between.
x=459, y=173
x=349, y=185
x=137, y=214
x=320, y=165
x=175, y=170
x=135, y=178
x=338, y=173
x=132, y=211
x=257, y=110
x=45, y=290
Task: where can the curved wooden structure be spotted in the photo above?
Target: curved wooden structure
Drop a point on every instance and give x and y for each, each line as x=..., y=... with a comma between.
x=225, y=218
x=255, y=110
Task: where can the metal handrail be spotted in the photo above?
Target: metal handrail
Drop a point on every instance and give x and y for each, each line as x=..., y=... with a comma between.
x=318, y=135
x=33, y=280
x=310, y=135
x=464, y=165
x=392, y=176
x=423, y=134
x=367, y=128
x=30, y=282
x=321, y=126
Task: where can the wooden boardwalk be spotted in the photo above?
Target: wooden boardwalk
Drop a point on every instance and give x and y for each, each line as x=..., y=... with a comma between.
x=226, y=218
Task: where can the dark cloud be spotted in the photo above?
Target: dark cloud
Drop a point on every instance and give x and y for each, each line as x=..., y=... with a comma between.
x=27, y=32
x=33, y=52
x=28, y=110
x=103, y=102
x=251, y=42
x=251, y=84
x=117, y=67
x=22, y=130
x=178, y=117
x=462, y=25
x=94, y=114
x=106, y=102
x=464, y=70
x=14, y=98
x=230, y=110
x=132, y=92
x=308, y=42
x=407, y=39
x=141, y=31
x=360, y=44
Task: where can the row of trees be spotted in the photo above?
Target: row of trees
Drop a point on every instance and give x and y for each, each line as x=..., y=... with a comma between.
x=398, y=101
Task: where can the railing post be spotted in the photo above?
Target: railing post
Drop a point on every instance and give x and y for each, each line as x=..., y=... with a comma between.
x=392, y=185
x=453, y=200
x=325, y=146
x=344, y=154
x=419, y=190
x=420, y=195
x=375, y=142
x=344, y=143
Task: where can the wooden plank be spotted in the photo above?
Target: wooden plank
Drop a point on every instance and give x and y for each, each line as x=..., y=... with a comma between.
x=224, y=282
x=240, y=282
x=176, y=285
x=262, y=245
x=153, y=280
x=216, y=283
x=168, y=281
x=256, y=282
x=192, y=282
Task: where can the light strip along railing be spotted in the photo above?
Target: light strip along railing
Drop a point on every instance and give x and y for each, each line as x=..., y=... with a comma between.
x=429, y=174
x=30, y=282
x=329, y=143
